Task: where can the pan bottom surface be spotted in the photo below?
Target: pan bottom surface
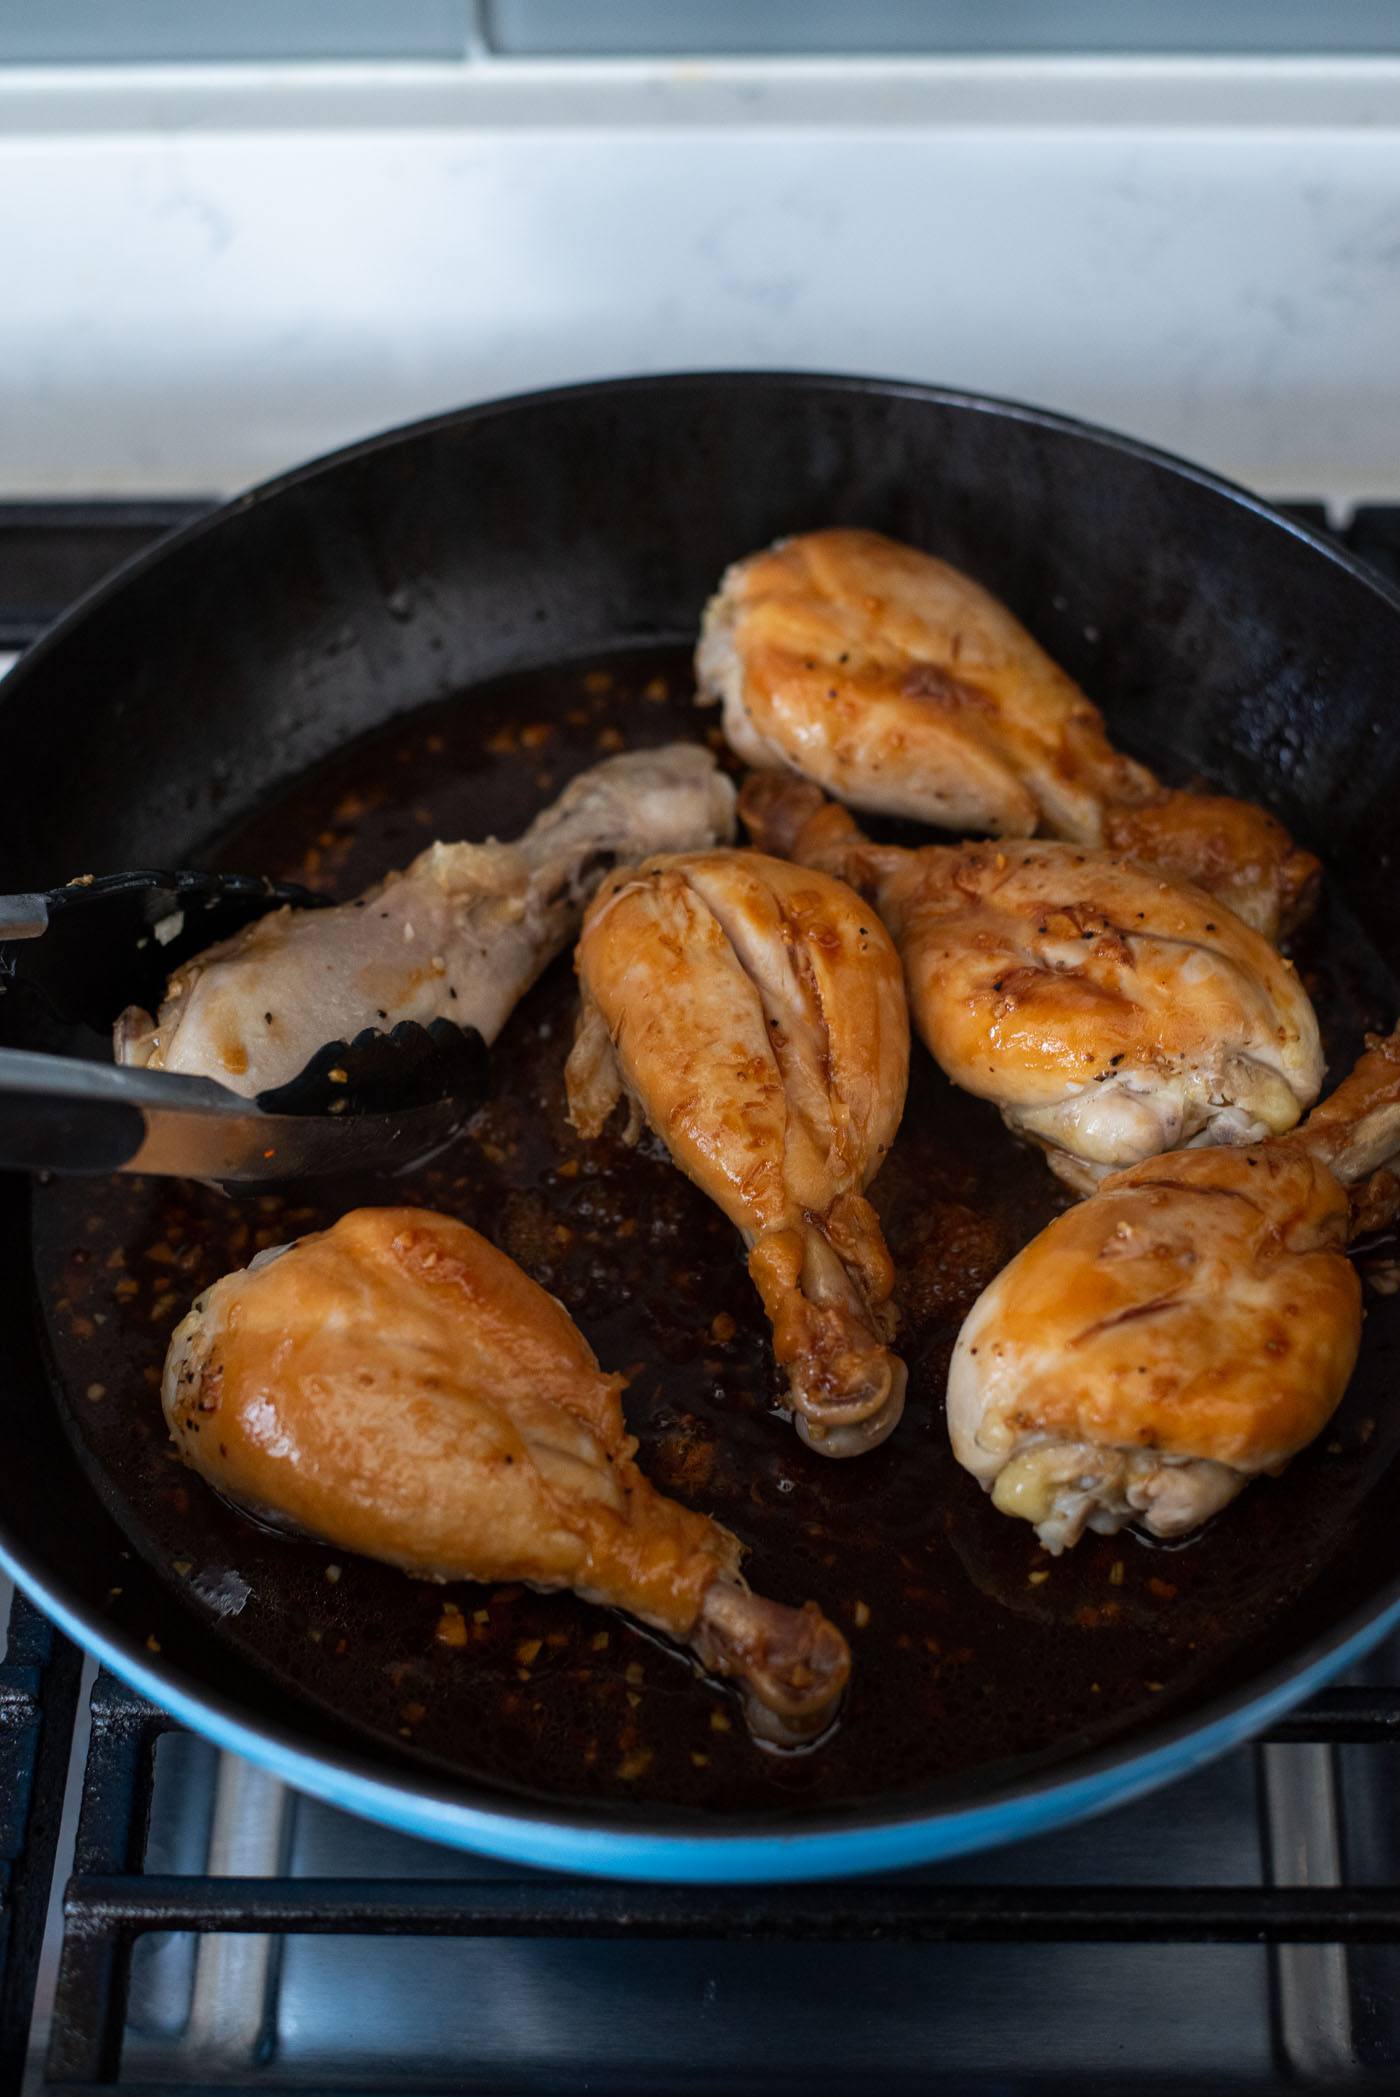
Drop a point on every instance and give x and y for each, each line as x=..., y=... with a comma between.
x=974, y=1651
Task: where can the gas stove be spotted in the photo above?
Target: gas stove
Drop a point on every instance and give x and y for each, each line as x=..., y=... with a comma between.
x=174, y=1918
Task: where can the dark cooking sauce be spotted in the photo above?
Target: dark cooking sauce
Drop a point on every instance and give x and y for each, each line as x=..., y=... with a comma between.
x=971, y=1644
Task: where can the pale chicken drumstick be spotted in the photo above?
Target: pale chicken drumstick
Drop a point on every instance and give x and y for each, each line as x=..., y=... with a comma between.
x=1191, y=1325
x=753, y=1013
x=902, y=686
x=1108, y=1012
x=398, y=1387
x=461, y=935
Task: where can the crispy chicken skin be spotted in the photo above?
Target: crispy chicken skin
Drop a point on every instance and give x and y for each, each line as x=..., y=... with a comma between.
x=1109, y=1013
x=398, y=1387
x=901, y=686
x=753, y=1013
x=1193, y=1324
x=461, y=935
x=1231, y=849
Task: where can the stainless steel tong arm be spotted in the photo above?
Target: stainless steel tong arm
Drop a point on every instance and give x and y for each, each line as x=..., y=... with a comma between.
x=61, y=1115
x=23, y=917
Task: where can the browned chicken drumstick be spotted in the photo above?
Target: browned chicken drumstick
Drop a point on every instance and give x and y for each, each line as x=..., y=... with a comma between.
x=1191, y=1325
x=753, y=1013
x=900, y=685
x=1109, y=1013
x=398, y=1387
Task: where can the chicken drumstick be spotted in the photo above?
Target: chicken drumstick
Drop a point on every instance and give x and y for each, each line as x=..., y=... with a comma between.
x=1193, y=1324
x=397, y=1386
x=461, y=935
x=902, y=686
x=754, y=1014
x=1109, y=1013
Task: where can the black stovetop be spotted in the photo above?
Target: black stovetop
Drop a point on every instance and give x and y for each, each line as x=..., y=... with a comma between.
x=1238, y=1932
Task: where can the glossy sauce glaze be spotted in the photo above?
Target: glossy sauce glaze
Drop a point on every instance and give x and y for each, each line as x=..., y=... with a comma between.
x=971, y=1645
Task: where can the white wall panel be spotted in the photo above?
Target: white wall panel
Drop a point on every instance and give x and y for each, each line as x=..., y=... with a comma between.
x=197, y=309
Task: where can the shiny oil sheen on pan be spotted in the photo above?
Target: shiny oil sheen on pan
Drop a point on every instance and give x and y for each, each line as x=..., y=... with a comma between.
x=972, y=1647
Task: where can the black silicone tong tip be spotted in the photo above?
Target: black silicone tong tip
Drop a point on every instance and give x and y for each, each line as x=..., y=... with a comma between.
x=111, y=941
x=413, y=1066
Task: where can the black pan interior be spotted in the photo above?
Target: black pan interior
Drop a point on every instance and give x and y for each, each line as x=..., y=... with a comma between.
x=178, y=710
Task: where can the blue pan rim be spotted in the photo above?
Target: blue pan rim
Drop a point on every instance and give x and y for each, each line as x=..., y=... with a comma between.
x=559, y=1839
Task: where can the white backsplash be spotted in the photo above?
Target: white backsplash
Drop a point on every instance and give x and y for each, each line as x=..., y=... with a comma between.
x=209, y=276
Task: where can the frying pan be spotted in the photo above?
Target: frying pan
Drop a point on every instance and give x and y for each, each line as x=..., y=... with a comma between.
x=1218, y=635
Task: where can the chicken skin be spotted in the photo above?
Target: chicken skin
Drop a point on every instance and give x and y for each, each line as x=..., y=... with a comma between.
x=1110, y=1014
x=1195, y=1323
x=753, y=1013
x=461, y=935
x=901, y=686
x=398, y=1387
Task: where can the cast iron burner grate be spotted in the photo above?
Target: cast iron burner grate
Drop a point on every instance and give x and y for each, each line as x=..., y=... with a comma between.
x=112, y=1900
x=50, y=553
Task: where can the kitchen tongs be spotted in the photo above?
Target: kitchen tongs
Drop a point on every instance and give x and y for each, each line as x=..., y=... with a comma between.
x=90, y=948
